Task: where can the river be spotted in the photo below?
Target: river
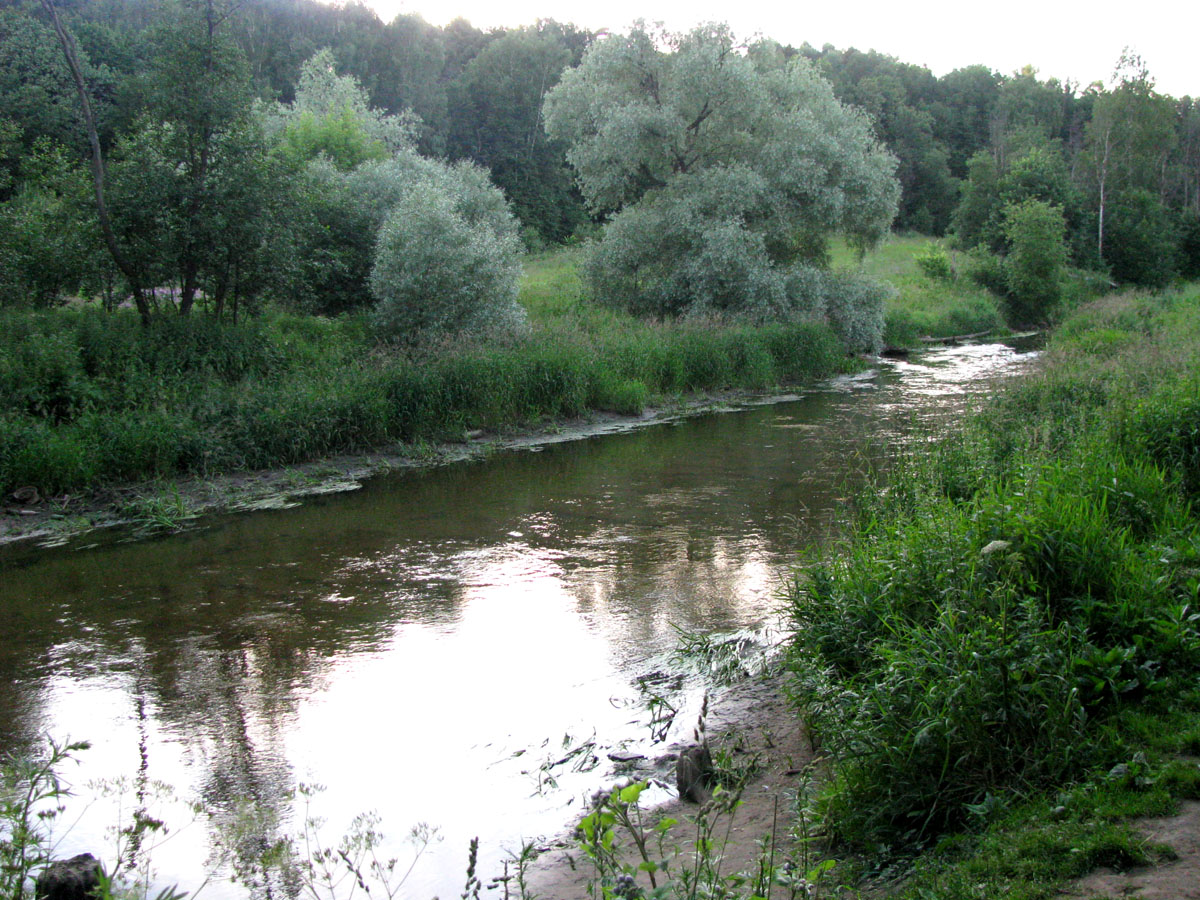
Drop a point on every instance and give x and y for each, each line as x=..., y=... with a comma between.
x=426, y=647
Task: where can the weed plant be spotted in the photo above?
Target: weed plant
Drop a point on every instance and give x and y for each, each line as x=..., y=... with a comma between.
x=1012, y=594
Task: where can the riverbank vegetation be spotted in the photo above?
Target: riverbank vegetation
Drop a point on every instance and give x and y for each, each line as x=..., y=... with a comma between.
x=327, y=213
x=92, y=399
x=999, y=658
x=237, y=238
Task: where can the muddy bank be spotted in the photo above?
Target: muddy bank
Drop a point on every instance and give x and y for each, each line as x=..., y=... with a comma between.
x=153, y=507
x=753, y=723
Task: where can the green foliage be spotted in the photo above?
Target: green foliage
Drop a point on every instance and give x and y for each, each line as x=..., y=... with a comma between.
x=934, y=262
x=1013, y=591
x=332, y=115
x=31, y=792
x=1037, y=257
x=920, y=306
x=988, y=271
x=436, y=272
x=1141, y=240
x=88, y=398
x=39, y=95
x=975, y=217
x=49, y=242
x=1189, y=245
x=339, y=137
x=724, y=169
x=434, y=244
x=496, y=114
x=633, y=856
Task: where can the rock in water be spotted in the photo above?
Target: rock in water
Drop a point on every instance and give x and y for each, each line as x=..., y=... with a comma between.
x=76, y=878
x=693, y=770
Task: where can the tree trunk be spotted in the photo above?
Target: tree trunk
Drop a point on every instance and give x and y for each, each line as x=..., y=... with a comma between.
x=89, y=121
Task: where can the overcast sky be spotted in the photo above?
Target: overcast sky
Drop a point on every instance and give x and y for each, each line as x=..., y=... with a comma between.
x=1066, y=40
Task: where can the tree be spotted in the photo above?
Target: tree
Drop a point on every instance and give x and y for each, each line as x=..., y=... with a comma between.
x=332, y=114
x=49, y=243
x=436, y=272
x=37, y=85
x=1029, y=113
x=1036, y=260
x=975, y=219
x=331, y=117
x=434, y=244
x=962, y=112
x=496, y=120
x=897, y=96
x=1129, y=139
x=195, y=132
x=120, y=259
x=722, y=167
x=1142, y=239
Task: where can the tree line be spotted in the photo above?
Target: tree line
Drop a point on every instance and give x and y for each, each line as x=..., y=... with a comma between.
x=202, y=165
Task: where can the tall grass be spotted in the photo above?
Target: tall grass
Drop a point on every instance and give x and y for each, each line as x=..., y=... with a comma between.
x=1015, y=588
x=88, y=398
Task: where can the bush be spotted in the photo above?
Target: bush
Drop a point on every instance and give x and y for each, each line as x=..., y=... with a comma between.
x=855, y=310
x=435, y=273
x=1036, y=260
x=934, y=262
x=987, y=270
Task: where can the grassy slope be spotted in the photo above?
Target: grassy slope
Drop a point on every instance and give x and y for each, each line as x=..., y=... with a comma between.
x=1002, y=709
x=924, y=307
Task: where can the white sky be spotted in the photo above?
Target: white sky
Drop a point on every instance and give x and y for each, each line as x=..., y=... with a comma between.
x=1076, y=40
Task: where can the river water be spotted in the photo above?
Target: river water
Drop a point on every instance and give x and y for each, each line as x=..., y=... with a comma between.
x=429, y=646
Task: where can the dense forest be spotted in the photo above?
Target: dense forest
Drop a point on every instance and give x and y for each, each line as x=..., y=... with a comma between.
x=1117, y=169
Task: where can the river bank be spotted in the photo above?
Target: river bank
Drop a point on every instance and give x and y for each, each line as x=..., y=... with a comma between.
x=753, y=727
x=173, y=504
x=543, y=591
x=1018, y=607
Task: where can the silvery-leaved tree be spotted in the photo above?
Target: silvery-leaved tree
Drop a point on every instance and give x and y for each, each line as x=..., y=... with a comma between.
x=433, y=245
x=724, y=170
x=447, y=252
x=332, y=116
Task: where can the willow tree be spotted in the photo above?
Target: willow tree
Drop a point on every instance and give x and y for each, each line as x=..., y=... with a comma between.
x=725, y=170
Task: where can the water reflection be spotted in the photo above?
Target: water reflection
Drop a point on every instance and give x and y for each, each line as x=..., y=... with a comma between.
x=423, y=645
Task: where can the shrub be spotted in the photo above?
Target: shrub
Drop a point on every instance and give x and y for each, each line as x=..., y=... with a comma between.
x=986, y=269
x=855, y=310
x=436, y=273
x=934, y=262
x=1036, y=260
